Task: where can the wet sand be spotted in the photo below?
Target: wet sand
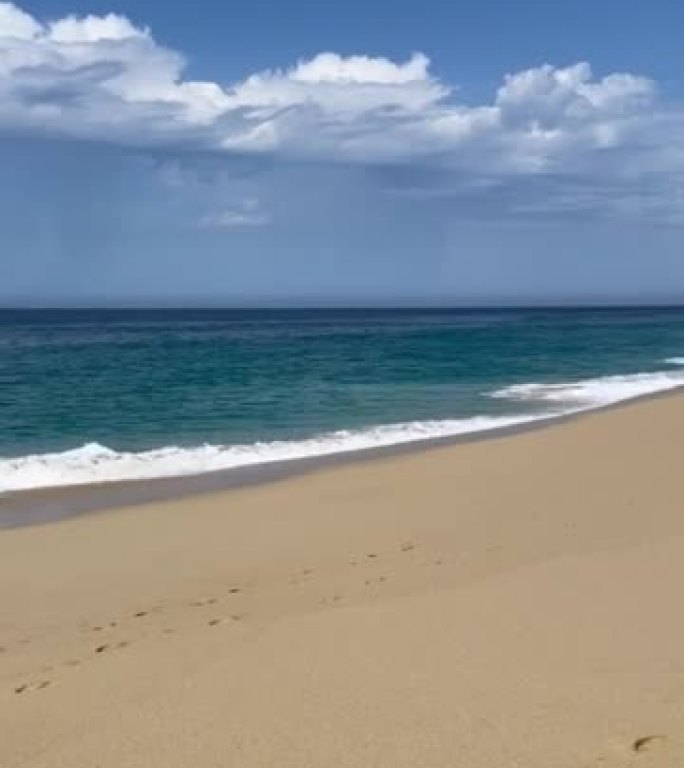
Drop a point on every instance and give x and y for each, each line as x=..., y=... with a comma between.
x=512, y=602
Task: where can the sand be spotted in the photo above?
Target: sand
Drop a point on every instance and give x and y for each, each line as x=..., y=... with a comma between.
x=514, y=602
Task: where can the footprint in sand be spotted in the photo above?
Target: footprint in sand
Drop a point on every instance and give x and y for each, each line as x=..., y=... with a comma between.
x=300, y=576
x=644, y=751
x=205, y=601
x=407, y=546
x=646, y=743
x=106, y=647
x=224, y=620
x=333, y=600
x=101, y=627
x=36, y=687
x=379, y=580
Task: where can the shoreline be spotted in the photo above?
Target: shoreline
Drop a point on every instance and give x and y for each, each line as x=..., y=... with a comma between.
x=53, y=504
x=495, y=603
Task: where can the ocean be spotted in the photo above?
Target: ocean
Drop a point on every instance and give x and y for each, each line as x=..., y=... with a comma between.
x=102, y=395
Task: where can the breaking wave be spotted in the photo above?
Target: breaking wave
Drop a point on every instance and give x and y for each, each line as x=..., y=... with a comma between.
x=94, y=463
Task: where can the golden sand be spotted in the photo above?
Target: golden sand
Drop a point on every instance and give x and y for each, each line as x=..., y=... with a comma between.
x=514, y=603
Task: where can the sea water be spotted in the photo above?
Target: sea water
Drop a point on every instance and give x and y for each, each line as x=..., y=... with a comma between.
x=98, y=395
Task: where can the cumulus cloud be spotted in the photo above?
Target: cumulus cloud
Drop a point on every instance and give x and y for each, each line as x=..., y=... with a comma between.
x=102, y=78
x=98, y=78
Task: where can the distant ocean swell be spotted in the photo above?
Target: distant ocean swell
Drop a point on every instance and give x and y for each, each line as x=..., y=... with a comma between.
x=94, y=463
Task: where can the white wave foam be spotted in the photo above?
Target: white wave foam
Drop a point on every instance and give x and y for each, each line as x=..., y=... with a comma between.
x=94, y=463
x=593, y=393
x=675, y=360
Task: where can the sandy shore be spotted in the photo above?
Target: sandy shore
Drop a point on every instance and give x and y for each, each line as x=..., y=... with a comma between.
x=510, y=603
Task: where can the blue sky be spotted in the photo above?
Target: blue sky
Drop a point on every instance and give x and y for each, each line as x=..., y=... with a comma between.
x=300, y=152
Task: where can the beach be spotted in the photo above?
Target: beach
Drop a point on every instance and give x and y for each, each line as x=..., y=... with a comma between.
x=513, y=602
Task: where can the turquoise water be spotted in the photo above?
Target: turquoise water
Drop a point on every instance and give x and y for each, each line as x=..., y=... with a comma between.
x=197, y=383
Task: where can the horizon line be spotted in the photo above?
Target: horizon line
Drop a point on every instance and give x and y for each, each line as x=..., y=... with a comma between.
x=335, y=307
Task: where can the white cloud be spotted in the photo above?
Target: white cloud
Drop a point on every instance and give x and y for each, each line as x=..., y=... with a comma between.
x=342, y=87
x=247, y=213
x=331, y=68
x=103, y=78
x=15, y=24
x=93, y=29
x=98, y=78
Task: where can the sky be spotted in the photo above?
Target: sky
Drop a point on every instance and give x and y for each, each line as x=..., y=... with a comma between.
x=302, y=153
